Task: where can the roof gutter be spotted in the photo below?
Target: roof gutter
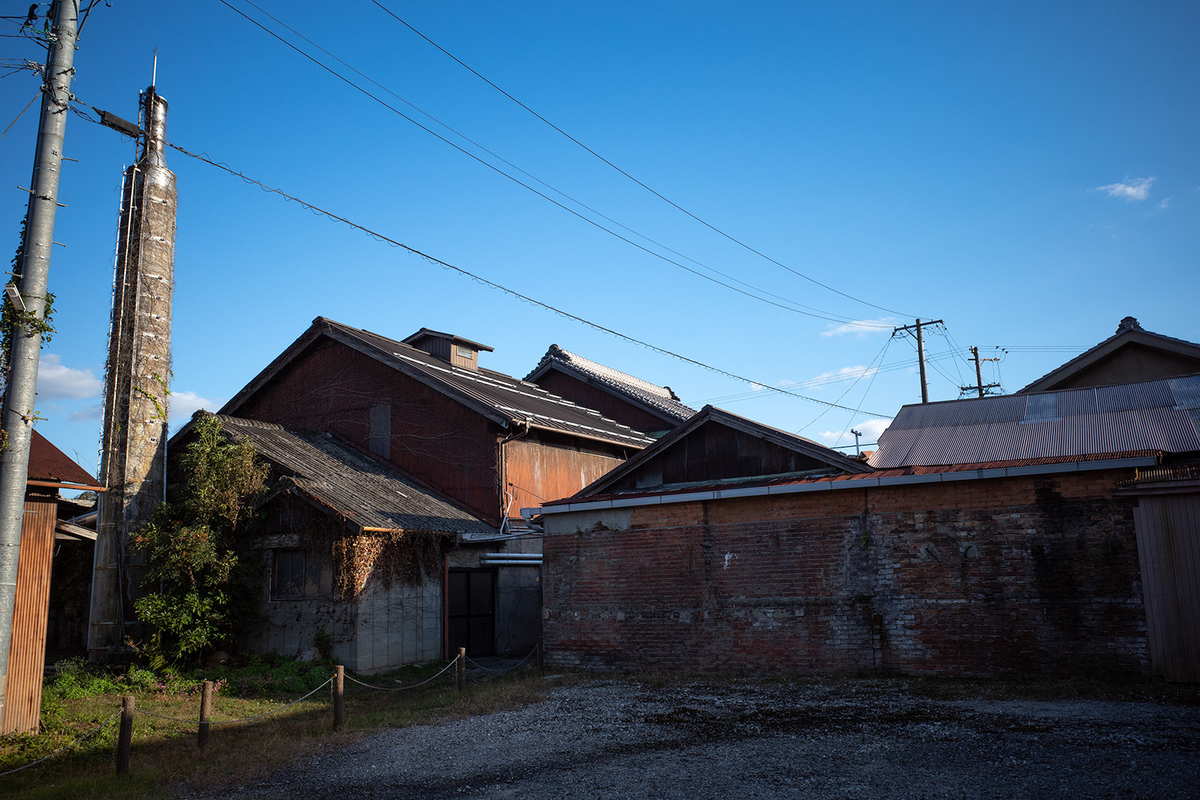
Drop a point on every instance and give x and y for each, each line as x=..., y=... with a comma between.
x=854, y=483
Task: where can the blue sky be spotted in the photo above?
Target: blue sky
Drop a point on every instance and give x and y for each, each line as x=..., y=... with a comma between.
x=1026, y=172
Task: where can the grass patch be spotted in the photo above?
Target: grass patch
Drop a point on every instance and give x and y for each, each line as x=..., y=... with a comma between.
x=165, y=754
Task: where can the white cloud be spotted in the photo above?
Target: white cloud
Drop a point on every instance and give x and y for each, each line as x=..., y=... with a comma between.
x=859, y=327
x=1134, y=189
x=59, y=382
x=844, y=373
x=871, y=430
x=184, y=404
x=87, y=413
x=1164, y=202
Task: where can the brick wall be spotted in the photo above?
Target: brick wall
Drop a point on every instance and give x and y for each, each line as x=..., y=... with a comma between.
x=1032, y=575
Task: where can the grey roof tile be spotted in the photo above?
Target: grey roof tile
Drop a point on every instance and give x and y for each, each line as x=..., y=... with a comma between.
x=658, y=397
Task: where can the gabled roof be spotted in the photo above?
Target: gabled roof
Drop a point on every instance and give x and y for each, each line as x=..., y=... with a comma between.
x=421, y=334
x=495, y=395
x=831, y=460
x=658, y=400
x=336, y=477
x=48, y=463
x=1129, y=335
x=1152, y=416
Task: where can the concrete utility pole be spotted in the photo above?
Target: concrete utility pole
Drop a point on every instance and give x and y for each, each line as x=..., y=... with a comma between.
x=33, y=275
x=920, y=352
x=979, y=384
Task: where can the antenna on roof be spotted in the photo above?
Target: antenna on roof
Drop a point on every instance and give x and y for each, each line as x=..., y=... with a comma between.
x=154, y=73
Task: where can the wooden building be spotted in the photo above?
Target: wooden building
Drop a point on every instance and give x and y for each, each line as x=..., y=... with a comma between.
x=647, y=407
x=1130, y=355
x=50, y=471
x=477, y=440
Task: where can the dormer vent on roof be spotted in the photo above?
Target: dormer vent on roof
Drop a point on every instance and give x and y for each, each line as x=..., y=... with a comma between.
x=449, y=348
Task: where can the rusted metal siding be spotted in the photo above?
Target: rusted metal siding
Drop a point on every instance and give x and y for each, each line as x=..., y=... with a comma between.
x=1168, y=537
x=537, y=471
x=23, y=695
x=443, y=443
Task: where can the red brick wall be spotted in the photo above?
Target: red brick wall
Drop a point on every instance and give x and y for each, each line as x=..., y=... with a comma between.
x=1033, y=575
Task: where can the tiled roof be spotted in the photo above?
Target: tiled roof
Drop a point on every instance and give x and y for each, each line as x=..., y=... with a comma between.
x=493, y=394
x=48, y=463
x=658, y=397
x=1158, y=416
x=366, y=492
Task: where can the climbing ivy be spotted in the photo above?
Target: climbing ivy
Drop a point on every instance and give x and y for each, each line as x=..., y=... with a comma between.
x=194, y=598
x=12, y=318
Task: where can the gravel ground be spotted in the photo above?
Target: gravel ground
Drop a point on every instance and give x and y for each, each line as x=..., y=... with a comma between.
x=843, y=739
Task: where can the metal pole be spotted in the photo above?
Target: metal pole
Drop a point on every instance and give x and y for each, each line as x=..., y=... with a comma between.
x=921, y=361
x=34, y=271
x=978, y=372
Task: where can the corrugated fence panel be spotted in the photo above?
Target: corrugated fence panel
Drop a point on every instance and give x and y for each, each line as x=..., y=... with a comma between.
x=26, y=656
x=1168, y=534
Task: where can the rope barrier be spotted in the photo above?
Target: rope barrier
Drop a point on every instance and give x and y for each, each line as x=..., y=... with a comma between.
x=192, y=721
x=82, y=738
x=403, y=688
x=518, y=665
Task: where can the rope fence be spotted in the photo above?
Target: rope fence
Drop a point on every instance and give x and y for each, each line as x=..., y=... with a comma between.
x=128, y=707
x=66, y=747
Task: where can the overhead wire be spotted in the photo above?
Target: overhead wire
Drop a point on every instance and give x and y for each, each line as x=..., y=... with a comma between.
x=660, y=196
x=843, y=318
x=486, y=282
x=878, y=357
x=23, y=110
x=823, y=316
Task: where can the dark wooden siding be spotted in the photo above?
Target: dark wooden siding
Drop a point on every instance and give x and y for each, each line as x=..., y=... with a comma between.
x=332, y=388
x=1168, y=537
x=26, y=657
x=714, y=452
x=538, y=471
x=1130, y=364
x=623, y=411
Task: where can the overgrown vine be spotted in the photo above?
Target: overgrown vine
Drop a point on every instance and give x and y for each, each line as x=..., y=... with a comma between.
x=12, y=318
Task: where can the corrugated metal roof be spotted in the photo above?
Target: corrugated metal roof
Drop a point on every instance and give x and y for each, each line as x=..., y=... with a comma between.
x=366, y=492
x=48, y=463
x=513, y=399
x=1075, y=423
x=653, y=395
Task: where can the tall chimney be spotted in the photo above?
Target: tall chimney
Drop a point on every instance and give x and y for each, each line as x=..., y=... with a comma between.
x=137, y=379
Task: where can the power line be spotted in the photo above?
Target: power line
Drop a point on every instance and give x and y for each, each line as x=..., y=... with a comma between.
x=492, y=284
x=815, y=314
x=878, y=357
x=581, y=204
x=665, y=199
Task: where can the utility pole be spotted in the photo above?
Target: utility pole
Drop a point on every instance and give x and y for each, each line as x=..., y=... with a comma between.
x=920, y=352
x=979, y=384
x=857, y=434
x=33, y=275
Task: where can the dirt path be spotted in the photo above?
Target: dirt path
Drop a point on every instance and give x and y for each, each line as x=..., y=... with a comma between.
x=853, y=739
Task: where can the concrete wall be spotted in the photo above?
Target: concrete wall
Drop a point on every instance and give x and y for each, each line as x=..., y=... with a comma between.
x=518, y=613
x=1032, y=575
x=397, y=625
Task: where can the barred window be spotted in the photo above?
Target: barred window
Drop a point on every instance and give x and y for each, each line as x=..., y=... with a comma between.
x=295, y=575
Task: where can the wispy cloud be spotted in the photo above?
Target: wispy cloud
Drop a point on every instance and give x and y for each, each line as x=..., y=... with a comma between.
x=185, y=404
x=845, y=373
x=1166, y=201
x=859, y=327
x=871, y=430
x=1134, y=189
x=56, y=381
x=87, y=413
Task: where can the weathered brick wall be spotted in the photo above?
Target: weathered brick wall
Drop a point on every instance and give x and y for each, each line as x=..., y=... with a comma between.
x=1033, y=575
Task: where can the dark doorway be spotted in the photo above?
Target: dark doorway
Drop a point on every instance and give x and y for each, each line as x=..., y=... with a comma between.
x=472, y=611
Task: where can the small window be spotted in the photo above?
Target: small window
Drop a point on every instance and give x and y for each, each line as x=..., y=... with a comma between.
x=465, y=352
x=295, y=576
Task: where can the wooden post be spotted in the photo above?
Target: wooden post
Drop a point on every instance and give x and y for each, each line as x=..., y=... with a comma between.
x=125, y=736
x=541, y=657
x=205, y=712
x=462, y=669
x=339, y=674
